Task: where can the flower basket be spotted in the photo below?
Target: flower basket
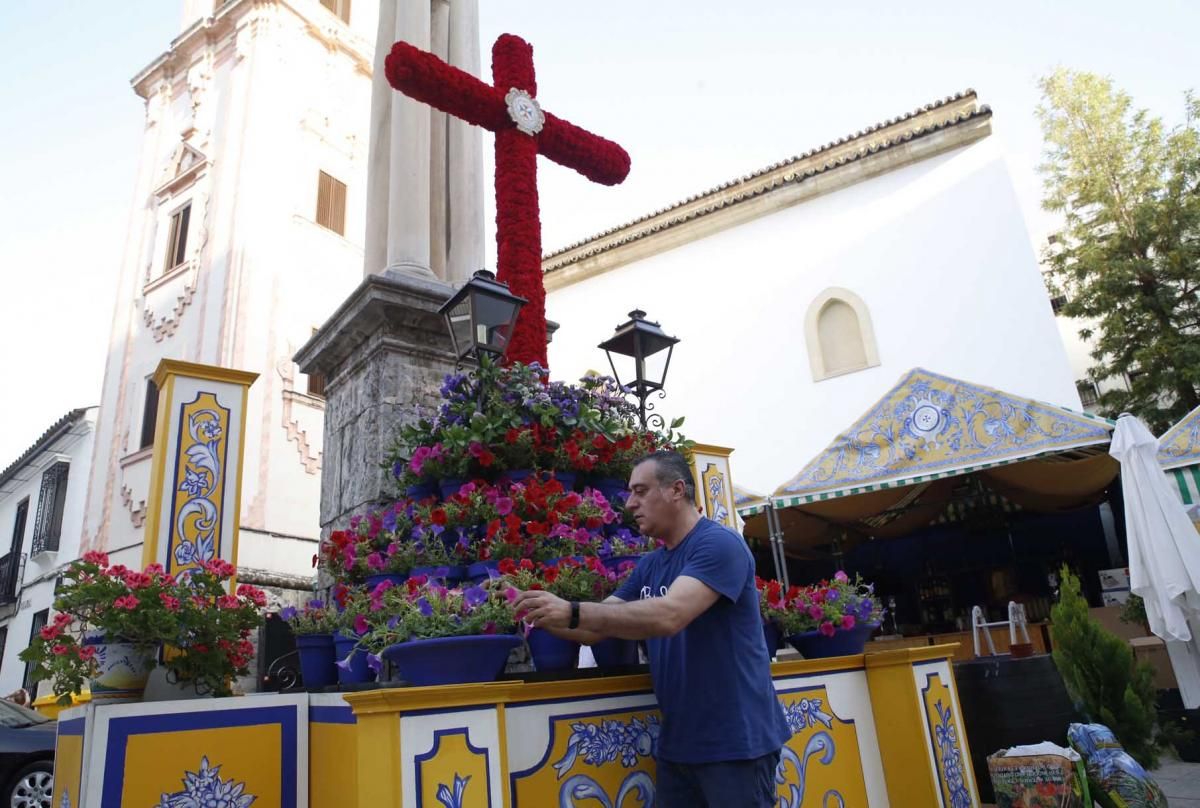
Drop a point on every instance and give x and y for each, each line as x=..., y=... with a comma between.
x=615, y=653
x=122, y=669
x=843, y=642
x=452, y=660
x=772, y=636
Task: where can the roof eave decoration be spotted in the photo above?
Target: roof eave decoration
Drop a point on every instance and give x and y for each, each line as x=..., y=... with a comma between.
x=930, y=426
x=1180, y=445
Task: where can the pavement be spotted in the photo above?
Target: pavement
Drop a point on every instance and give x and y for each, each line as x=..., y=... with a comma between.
x=1180, y=782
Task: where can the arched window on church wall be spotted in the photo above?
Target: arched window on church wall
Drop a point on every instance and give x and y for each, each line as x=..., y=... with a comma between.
x=839, y=335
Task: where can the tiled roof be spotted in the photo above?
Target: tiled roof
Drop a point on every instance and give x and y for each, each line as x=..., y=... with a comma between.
x=48, y=437
x=871, y=146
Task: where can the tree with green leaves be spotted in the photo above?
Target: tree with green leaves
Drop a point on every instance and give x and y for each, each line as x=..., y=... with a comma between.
x=1101, y=675
x=1128, y=258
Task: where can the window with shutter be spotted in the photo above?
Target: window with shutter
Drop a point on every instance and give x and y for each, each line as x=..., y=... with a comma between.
x=37, y=624
x=177, y=239
x=149, y=414
x=52, y=499
x=331, y=203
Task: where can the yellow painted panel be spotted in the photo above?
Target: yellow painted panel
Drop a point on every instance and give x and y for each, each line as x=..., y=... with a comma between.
x=332, y=764
x=68, y=770
x=453, y=772
x=822, y=762
x=949, y=752
x=156, y=763
x=199, y=485
x=607, y=753
x=899, y=725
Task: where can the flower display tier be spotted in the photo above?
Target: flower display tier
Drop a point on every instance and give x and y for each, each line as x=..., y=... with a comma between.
x=513, y=483
x=881, y=729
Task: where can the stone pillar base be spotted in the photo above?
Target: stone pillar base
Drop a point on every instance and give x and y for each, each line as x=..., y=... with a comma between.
x=383, y=354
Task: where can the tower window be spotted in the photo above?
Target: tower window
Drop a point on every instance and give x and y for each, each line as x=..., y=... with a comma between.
x=331, y=203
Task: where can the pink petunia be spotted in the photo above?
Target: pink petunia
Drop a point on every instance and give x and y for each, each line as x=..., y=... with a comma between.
x=827, y=629
x=841, y=577
x=504, y=506
x=815, y=612
x=360, y=624
x=848, y=621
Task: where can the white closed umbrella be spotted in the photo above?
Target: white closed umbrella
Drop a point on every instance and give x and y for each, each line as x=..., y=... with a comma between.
x=1164, y=548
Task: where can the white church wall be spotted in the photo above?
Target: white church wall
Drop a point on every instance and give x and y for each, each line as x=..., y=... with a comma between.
x=275, y=103
x=938, y=253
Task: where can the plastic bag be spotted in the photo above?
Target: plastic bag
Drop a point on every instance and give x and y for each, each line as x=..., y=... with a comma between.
x=1037, y=781
x=1115, y=779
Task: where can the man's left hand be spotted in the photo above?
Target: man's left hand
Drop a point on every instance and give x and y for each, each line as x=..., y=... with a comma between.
x=543, y=609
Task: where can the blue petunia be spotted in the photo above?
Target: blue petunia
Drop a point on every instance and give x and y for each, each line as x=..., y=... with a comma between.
x=474, y=596
x=424, y=607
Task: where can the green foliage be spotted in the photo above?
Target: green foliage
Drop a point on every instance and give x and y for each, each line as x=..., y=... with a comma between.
x=1129, y=256
x=1098, y=669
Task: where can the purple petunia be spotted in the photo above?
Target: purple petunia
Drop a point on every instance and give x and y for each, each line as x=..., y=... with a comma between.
x=474, y=596
x=424, y=607
x=287, y=612
x=315, y=604
x=374, y=662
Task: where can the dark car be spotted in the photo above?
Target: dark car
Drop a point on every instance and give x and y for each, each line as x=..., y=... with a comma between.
x=26, y=757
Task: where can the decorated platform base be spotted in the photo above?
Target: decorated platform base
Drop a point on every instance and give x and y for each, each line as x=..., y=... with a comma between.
x=874, y=730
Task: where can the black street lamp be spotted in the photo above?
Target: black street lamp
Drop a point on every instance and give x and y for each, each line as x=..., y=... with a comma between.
x=481, y=316
x=644, y=342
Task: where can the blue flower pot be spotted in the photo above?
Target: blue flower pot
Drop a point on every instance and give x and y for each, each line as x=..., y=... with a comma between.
x=552, y=653
x=452, y=660
x=614, y=653
x=567, y=478
x=316, y=660
x=516, y=476
x=422, y=491
x=614, y=489
x=358, y=672
x=772, y=636
x=449, y=486
x=613, y=562
x=844, y=642
x=480, y=571
x=438, y=574
x=375, y=580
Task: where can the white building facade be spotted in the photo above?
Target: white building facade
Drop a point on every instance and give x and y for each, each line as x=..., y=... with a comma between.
x=803, y=292
x=41, y=513
x=245, y=232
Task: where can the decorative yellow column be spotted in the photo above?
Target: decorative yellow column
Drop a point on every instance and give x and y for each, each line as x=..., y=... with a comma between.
x=196, y=476
x=714, y=486
x=919, y=724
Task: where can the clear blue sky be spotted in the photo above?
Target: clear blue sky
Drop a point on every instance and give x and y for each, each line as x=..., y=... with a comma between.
x=698, y=91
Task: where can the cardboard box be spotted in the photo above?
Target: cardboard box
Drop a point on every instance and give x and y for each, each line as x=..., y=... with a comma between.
x=1036, y=781
x=1153, y=651
x=1115, y=597
x=1110, y=618
x=1117, y=578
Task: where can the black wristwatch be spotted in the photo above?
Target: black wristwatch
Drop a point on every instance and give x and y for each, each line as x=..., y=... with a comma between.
x=574, y=615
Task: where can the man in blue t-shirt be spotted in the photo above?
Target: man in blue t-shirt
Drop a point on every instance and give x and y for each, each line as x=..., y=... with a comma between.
x=695, y=604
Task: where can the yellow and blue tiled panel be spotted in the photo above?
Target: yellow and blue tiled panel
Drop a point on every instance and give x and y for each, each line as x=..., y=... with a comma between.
x=946, y=737
x=332, y=752
x=68, y=759
x=821, y=764
x=236, y=752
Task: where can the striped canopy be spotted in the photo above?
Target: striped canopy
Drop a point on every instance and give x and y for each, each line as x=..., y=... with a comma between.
x=1179, y=455
x=930, y=427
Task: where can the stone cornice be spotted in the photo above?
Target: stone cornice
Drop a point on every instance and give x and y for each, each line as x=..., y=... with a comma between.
x=948, y=124
x=207, y=30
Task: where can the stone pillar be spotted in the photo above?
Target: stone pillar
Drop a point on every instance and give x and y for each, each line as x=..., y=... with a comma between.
x=375, y=252
x=383, y=353
x=464, y=154
x=408, y=171
x=439, y=42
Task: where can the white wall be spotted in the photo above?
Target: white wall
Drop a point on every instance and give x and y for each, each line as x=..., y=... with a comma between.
x=272, y=104
x=36, y=587
x=937, y=251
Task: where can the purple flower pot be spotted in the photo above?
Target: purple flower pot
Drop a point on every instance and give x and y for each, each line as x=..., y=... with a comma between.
x=844, y=642
x=614, y=653
x=480, y=571
x=438, y=574
x=567, y=478
x=452, y=660
x=316, y=660
x=357, y=671
x=375, y=580
x=552, y=653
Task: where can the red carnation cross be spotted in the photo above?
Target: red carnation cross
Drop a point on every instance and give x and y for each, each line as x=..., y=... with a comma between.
x=509, y=108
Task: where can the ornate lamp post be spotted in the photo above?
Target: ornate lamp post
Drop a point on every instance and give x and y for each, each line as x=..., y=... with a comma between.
x=480, y=317
x=644, y=343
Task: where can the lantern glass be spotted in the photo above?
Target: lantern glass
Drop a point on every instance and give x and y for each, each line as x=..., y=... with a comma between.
x=481, y=316
x=640, y=354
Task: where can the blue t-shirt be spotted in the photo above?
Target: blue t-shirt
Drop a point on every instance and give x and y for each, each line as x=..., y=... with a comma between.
x=713, y=678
